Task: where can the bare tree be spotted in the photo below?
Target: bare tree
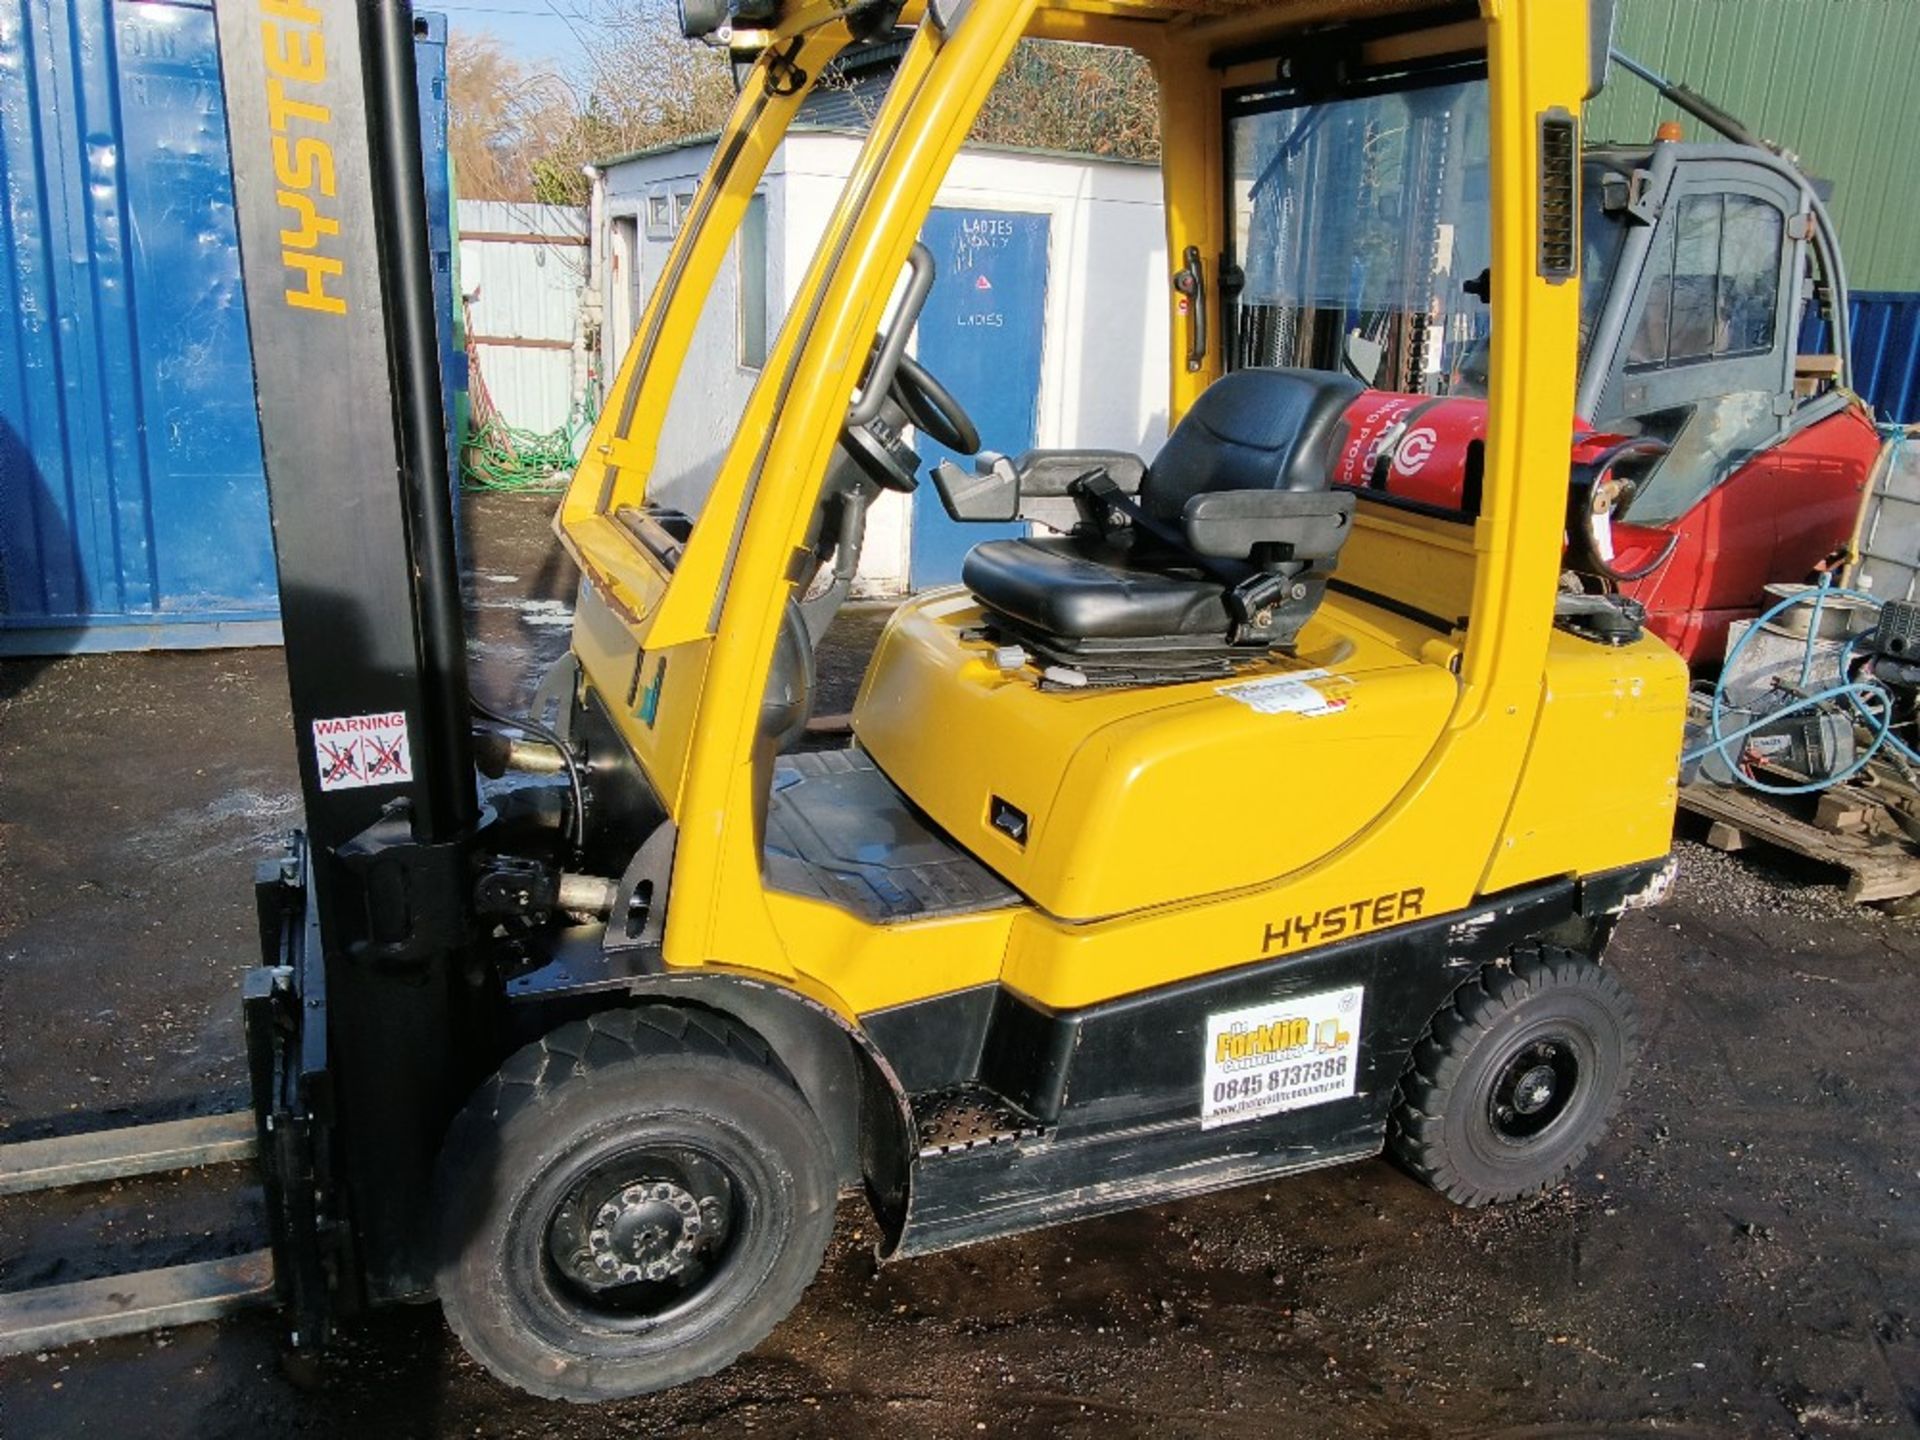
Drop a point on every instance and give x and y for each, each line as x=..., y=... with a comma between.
x=1086, y=99
x=645, y=85
x=651, y=84
x=502, y=117
x=522, y=134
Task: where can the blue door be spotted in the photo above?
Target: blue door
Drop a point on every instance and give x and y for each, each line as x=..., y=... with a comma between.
x=982, y=334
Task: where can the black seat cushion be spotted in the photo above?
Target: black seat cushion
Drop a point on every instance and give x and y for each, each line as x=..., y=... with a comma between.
x=1252, y=430
x=1087, y=589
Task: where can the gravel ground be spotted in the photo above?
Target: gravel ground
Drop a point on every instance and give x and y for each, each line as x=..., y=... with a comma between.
x=1740, y=1258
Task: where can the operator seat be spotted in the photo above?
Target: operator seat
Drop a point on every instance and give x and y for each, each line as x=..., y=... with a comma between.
x=1223, y=555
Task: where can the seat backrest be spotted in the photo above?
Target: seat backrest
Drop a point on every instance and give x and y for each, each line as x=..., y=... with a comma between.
x=1256, y=429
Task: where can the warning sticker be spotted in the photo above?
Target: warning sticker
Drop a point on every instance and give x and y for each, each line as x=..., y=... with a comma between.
x=1310, y=693
x=1283, y=1055
x=362, y=750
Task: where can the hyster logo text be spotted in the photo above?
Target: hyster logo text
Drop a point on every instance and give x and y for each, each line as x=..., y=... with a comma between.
x=295, y=49
x=1336, y=921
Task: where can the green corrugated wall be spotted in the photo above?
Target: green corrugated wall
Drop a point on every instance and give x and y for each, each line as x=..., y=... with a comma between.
x=1832, y=80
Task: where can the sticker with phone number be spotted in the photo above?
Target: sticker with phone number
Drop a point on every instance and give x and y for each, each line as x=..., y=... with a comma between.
x=1281, y=1055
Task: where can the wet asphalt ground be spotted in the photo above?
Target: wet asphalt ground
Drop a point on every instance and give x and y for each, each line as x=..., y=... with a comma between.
x=1741, y=1257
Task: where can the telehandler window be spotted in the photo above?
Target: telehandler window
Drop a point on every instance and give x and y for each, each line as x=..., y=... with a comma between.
x=1709, y=313
x=1709, y=440
x=1711, y=292
x=1603, y=235
x=1359, y=223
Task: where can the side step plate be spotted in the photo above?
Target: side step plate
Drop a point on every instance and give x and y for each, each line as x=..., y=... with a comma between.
x=58, y=1315
x=87, y=1159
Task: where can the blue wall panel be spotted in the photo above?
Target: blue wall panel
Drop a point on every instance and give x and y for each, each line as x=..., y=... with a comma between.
x=133, y=509
x=1886, y=351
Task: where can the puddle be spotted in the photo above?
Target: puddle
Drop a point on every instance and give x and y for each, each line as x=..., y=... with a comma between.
x=547, y=614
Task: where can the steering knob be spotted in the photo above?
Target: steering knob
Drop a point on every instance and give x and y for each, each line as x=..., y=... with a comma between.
x=883, y=452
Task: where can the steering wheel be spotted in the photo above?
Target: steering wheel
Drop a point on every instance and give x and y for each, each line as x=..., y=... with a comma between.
x=1596, y=496
x=913, y=398
x=932, y=408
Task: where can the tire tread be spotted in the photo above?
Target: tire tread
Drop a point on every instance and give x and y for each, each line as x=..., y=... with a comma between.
x=1415, y=1130
x=578, y=1050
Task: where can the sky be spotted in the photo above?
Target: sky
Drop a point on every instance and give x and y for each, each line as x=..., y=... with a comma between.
x=535, y=32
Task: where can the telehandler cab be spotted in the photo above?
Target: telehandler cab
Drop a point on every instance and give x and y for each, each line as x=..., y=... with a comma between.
x=1246, y=825
x=1710, y=455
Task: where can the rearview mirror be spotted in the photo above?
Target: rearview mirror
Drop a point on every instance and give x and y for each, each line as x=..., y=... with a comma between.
x=1601, y=15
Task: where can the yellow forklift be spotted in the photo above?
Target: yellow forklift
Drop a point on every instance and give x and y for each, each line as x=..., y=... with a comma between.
x=1231, y=823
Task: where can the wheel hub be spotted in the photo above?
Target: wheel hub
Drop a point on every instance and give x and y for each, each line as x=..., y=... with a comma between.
x=1535, y=1090
x=643, y=1230
x=647, y=1231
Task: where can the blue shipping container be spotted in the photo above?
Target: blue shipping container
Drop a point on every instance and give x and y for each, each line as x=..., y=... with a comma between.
x=1886, y=353
x=430, y=74
x=1886, y=350
x=133, y=509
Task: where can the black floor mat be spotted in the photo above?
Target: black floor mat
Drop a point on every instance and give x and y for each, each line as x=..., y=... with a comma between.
x=838, y=830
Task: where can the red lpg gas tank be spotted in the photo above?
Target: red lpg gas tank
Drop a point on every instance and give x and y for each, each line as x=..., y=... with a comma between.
x=1416, y=447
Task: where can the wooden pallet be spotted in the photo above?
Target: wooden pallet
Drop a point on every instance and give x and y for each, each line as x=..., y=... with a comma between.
x=1841, y=832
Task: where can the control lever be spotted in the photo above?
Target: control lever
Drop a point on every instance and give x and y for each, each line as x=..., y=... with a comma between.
x=1190, y=282
x=991, y=492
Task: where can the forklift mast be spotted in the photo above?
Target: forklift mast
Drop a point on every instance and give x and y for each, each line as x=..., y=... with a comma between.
x=371, y=912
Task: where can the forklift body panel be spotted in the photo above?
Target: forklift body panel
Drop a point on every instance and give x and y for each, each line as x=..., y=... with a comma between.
x=1091, y=1109
x=1452, y=716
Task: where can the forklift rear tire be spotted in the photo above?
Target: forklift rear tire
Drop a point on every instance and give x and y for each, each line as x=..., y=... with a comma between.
x=629, y=1204
x=1516, y=1078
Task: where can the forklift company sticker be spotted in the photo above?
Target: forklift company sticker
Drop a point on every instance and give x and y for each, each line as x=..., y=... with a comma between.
x=1415, y=451
x=1310, y=693
x=362, y=750
x=1283, y=1055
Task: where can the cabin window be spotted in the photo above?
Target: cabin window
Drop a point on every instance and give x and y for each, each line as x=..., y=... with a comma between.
x=1359, y=223
x=753, y=284
x=1712, y=283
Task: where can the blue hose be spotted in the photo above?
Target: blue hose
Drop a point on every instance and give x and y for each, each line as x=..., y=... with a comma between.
x=1871, y=699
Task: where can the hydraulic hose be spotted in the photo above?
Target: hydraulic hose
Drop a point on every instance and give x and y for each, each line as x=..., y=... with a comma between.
x=1869, y=698
x=575, y=787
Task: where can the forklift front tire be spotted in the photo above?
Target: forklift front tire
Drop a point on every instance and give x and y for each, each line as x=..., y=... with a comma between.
x=629, y=1204
x=1516, y=1078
